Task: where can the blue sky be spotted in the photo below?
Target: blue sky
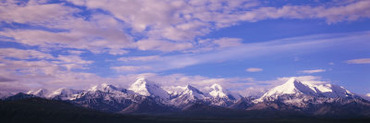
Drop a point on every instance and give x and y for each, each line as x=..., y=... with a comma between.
x=244, y=45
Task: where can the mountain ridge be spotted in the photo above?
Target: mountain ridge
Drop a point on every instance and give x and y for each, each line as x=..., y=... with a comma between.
x=145, y=96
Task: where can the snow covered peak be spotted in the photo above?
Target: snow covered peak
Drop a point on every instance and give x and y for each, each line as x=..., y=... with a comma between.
x=183, y=95
x=193, y=92
x=39, y=92
x=59, y=91
x=292, y=86
x=217, y=91
x=141, y=81
x=140, y=87
x=191, y=88
x=144, y=87
x=296, y=87
x=64, y=94
x=104, y=87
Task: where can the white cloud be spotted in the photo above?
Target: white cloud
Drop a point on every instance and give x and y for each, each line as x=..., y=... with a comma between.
x=139, y=58
x=249, y=50
x=359, y=61
x=131, y=68
x=75, y=52
x=83, y=35
x=166, y=25
x=37, y=59
x=254, y=69
x=23, y=54
x=182, y=21
x=178, y=20
x=73, y=59
x=72, y=62
x=162, y=45
x=313, y=71
x=43, y=74
x=100, y=33
x=34, y=13
x=332, y=14
x=215, y=44
x=117, y=51
x=43, y=69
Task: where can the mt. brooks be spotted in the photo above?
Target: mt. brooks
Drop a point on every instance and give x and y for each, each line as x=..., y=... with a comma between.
x=146, y=97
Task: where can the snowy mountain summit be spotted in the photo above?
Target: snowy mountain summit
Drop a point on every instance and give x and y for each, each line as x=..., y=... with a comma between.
x=102, y=87
x=65, y=94
x=183, y=95
x=144, y=96
x=297, y=91
x=217, y=91
x=39, y=92
x=192, y=93
x=147, y=88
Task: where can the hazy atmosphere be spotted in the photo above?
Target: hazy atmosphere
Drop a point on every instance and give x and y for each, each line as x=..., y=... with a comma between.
x=247, y=46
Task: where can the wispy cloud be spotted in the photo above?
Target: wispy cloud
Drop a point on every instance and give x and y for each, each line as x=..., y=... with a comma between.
x=312, y=71
x=304, y=44
x=332, y=14
x=161, y=25
x=24, y=69
x=204, y=45
x=359, y=61
x=254, y=69
x=4, y=79
x=139, y=58
x=173, y=28
x=131, y=68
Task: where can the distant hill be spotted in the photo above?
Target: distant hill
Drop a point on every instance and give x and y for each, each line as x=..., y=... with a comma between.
x=34, y=109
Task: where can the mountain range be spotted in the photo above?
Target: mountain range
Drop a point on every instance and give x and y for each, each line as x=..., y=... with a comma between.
x=147, y=97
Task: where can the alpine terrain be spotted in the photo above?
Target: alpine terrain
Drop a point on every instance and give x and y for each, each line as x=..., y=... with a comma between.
x=147, y=97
